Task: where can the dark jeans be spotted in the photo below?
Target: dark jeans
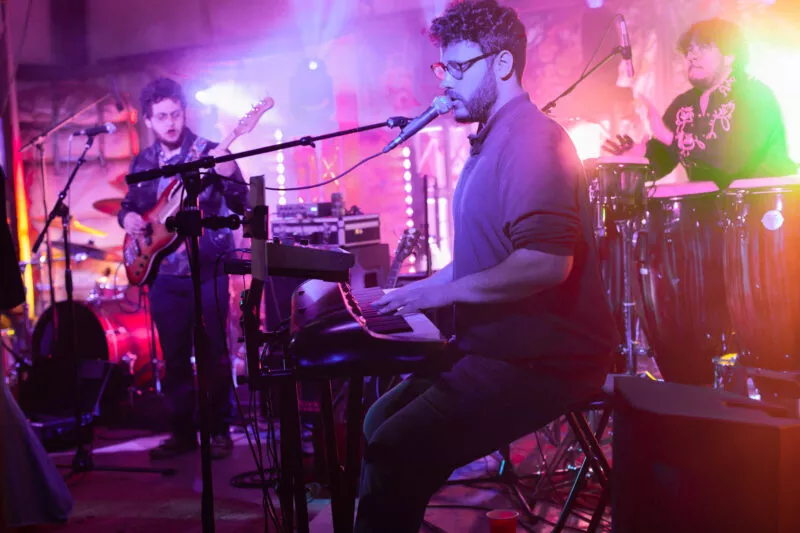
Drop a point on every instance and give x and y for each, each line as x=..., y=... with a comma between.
x=172, y=305
x=426, y=427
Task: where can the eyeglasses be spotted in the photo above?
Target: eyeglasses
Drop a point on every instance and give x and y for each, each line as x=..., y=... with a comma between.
x=456, y=68
x=163, y=117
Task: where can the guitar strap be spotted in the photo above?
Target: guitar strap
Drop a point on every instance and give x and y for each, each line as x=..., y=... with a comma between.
x=192, y=152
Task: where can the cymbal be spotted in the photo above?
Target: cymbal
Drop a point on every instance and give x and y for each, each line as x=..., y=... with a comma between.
x=119, y=183
x=90, y=251
x=39, y=262
x=76, y=225
x=109, y=206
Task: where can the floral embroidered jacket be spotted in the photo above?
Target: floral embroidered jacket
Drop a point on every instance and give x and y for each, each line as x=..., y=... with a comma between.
x=741, y=135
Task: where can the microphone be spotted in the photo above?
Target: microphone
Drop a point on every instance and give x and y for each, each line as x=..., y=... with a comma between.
x=625, y=48
x=97, y=130
x=440, y=105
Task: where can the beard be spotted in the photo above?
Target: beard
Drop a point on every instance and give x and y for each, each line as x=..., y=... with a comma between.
x=701, y=84
x=708, y=79
x=171, y=144
x=479, y=107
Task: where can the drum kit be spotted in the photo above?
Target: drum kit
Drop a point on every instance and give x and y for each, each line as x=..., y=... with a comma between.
x=113, y=322
x=702, y=278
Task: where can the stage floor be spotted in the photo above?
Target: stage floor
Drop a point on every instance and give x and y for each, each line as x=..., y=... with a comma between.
x=112, y=502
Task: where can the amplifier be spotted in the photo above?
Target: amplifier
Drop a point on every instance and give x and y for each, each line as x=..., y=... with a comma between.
x=350, y=230
x=307, y=210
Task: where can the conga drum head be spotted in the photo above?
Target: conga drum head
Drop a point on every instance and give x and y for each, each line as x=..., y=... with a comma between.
x=617, y=183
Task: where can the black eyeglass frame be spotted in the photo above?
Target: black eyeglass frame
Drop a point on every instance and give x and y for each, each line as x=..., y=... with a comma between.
x=457, y=68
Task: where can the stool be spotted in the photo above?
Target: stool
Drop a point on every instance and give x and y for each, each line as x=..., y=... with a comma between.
x=595, y=462
x=595, y=459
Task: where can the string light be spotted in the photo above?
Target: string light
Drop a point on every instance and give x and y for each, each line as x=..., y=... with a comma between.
x=408, y=186
x=280, y=168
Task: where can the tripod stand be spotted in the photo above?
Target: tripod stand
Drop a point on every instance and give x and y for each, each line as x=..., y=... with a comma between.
x=82, y=461
x=630, y=347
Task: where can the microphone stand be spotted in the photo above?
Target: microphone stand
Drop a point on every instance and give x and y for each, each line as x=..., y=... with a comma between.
x=38, y=142
x=82, y=462
x=210, y=161
x=189, y=223
x=552, y=103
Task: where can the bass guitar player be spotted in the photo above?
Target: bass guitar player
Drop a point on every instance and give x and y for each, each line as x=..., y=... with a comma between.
x=163, y=106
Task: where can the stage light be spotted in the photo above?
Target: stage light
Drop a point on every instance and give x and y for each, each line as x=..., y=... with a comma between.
x=313, y=65
x=768, y=64
x=594, y=4
x=588, y=137
x=227, y=97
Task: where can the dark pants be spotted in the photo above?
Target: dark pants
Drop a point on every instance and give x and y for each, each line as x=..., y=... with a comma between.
x=172, y=305
x=423, y=429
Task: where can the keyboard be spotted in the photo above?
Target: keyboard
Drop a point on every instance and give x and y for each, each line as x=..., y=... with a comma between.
x=336, y=327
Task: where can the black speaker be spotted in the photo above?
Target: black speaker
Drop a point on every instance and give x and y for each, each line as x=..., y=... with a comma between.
x=689, y=459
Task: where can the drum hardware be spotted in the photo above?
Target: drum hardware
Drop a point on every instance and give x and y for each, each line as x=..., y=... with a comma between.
x=770, y=386
x=630, y=346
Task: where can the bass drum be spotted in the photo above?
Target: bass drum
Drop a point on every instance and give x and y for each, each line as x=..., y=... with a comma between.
x=682, y=286
x=113, y=330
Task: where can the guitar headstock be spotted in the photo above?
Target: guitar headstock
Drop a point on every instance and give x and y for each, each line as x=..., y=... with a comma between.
x=407, y=245
x=249, y=121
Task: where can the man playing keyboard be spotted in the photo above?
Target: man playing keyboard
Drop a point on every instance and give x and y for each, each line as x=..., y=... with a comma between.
x=534, y=332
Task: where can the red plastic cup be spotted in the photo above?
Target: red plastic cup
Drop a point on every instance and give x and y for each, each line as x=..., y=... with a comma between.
x=502, y=521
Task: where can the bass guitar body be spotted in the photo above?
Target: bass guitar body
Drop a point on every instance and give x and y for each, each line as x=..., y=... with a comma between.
x=142, y=253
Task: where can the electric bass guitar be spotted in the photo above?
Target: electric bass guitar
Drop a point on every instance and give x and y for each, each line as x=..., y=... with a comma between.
x=142, y=253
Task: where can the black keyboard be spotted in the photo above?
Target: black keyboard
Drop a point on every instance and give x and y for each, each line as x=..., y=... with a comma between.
x=334, y=326
x=328, y=264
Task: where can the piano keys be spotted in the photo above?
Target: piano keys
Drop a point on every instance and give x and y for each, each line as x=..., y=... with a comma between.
x=335, y=330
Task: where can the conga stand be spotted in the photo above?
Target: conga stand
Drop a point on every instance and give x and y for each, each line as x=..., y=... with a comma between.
x=82, y=461
x=625, y=231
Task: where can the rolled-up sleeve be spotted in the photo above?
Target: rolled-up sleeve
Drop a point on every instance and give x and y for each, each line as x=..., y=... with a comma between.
x=538, y=194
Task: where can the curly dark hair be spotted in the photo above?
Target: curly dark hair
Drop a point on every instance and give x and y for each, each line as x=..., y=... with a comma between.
x=486, y=23
x=158, y=90
x=725, y=34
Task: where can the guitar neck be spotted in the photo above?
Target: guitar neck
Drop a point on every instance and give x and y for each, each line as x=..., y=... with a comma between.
x=227, y=141
x=394, y=273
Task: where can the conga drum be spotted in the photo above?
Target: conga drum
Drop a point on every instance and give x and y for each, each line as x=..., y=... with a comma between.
x=762, y=270
x=682, y=287
x=617, y=201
